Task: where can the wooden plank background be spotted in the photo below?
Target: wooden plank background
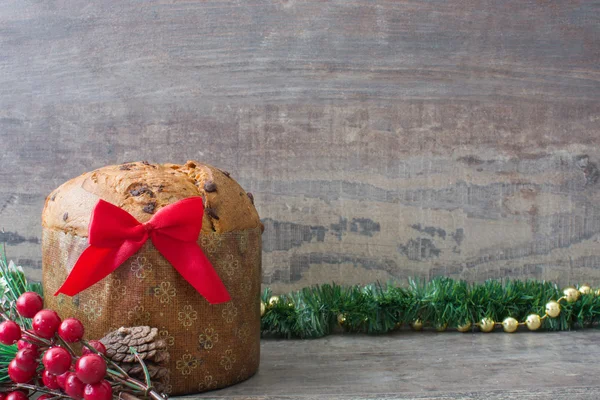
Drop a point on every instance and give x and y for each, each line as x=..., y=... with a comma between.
x=381, y=139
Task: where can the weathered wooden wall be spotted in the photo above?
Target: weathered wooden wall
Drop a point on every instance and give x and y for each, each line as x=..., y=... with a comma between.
x=382, y=139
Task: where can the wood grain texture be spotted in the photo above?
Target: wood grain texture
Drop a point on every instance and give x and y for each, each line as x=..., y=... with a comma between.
x=407, y=365
x=381, y=139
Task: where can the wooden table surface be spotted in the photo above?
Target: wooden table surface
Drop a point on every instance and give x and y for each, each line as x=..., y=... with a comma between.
x=426, y=365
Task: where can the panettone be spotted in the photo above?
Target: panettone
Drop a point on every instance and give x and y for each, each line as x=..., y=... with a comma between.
x=211, y=346
x=142, y=188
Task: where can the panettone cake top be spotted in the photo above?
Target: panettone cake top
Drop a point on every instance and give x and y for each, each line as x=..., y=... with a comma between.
x=141, y=189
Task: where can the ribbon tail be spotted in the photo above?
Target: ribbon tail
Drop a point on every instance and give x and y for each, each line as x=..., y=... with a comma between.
x=91, y=267
x=193, y=265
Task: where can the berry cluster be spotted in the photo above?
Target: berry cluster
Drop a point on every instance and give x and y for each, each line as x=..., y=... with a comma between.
x=44, y=355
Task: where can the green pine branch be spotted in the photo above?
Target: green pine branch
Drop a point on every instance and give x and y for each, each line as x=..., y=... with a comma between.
x=13, y=283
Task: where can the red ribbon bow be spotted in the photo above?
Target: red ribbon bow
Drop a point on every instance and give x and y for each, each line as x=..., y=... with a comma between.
x=115, y=235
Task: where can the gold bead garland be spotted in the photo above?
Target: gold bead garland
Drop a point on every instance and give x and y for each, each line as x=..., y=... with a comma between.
x=533, y=322
x=571, y=294
x=417, y=325
x=486, y=325
x=273, y=300
x=552, y=309
x=585, y=289
x=510, y=325
x=466, y=327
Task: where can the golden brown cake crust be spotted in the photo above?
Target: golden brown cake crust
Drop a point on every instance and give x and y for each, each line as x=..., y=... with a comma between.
x=141, y=189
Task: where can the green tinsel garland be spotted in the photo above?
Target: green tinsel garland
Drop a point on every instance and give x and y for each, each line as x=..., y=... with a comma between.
x=442, y=302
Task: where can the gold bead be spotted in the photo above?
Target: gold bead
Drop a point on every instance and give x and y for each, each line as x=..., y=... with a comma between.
x=533, y=322
x=291, y=305
x=341, y=318
x=486, y=325
x=273, y=300
x=263, y=308
x=598, y=292
x=510, y=324
x=441, y=327
x=417, y=325
x=466, y=327
x=553, y=309
x=571, y=294
x=585, y=289
x=397, y=326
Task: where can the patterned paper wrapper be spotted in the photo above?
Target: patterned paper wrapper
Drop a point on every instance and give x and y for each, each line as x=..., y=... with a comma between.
x=211, y=346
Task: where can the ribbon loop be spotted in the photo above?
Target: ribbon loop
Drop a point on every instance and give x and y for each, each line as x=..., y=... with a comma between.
x=115, y=235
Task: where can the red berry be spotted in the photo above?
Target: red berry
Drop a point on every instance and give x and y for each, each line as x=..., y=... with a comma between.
x=27, y=359
x=18, y=375
x=29, y=303
x=3, y=396
x=45, y=323
x=96, y=344
x=57, y=360
x=90, y=368
x=21, y=344
x=50, y=381
x=16, y=395
x=98, y=391
x=10, y=332
x=62, y=379
x=74, y=387
x=71, y=330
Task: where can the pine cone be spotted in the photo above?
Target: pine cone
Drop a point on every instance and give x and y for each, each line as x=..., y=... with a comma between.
x=143, y=338
x=149, y=347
